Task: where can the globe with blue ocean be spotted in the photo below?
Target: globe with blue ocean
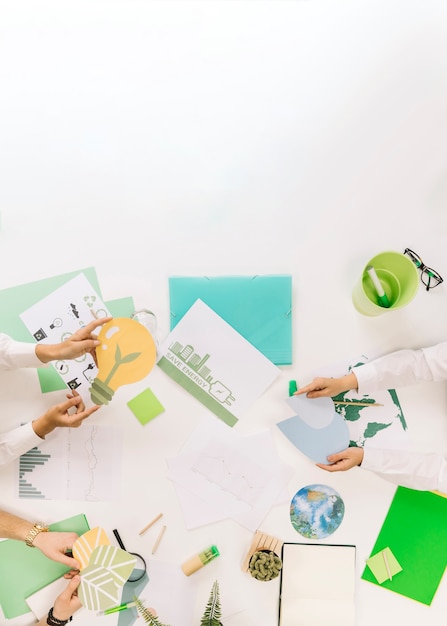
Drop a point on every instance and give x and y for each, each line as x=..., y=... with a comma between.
x=316, y=511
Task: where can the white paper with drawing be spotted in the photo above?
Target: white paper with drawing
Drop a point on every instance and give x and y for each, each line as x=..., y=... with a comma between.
x=228, y=474
x=73, y=464
x=214, y=363
x=60, y=314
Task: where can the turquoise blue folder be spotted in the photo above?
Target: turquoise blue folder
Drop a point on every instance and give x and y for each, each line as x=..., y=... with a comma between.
x=24, y=570
x=258, y=307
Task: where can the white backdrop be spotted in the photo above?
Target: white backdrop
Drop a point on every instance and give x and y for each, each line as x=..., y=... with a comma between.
x=204, y=138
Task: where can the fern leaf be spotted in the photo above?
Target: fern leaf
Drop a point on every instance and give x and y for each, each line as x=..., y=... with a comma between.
x=212, y=614
x=147, y=615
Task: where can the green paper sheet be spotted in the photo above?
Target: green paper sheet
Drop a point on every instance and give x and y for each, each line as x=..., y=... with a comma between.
x=24, y=570
x=258, y=307
x=378, y=565
x=415, y=531
x=145, y=406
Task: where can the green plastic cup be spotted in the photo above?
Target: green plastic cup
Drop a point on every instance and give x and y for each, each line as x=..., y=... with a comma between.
x=399, y=278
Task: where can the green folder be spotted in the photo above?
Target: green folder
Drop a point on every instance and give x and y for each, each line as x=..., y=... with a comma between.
x=415, y=530
x=258, y=307
x=24, y=570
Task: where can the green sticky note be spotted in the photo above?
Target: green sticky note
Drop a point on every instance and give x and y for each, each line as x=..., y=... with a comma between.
x=24, y=570
x=145, y=406
x=415, y=531
x=384, y=565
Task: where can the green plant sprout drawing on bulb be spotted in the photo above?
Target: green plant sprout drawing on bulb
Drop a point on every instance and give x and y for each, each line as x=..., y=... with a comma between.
x=212, y=614
x=126, y=354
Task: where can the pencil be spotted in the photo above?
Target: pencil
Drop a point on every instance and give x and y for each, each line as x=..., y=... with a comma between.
x=159, y=538
x=387, y=565
x=150, y=524
x=357, y=403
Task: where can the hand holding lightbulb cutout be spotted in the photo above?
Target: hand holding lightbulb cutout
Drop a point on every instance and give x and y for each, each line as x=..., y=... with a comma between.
x=126, y=354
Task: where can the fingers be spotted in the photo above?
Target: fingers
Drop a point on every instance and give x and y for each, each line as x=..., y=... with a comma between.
x=76, y=419
x=71, y=587
x=73, y=400
x=69, y=561
x=87, y=330
x=317, y=388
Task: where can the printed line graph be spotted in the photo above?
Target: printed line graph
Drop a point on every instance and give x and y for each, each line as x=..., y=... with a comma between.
x=75, y=464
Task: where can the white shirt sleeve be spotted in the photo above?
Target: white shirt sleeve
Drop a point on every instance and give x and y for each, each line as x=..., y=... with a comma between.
x=403, y=368
x=16, y=442
x=15, y=354
x=416, y=470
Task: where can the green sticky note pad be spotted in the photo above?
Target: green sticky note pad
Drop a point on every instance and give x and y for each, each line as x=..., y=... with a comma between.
x=145, y=406
x=24, y=570
x=378, y=565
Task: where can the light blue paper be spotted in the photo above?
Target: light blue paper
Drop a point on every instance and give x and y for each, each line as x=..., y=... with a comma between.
x=318, y=431
x=258, y=307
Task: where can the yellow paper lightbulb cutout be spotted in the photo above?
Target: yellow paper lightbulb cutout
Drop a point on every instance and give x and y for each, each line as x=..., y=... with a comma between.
x=126, y=355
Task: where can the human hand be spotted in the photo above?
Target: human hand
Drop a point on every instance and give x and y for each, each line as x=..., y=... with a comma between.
x=67, y=602
x=83, y=341
x=55, y=546
x=58, y=415
x=344, y=460
x=331, y=387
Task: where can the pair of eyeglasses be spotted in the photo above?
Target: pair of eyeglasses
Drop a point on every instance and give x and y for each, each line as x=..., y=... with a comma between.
x=429, y=277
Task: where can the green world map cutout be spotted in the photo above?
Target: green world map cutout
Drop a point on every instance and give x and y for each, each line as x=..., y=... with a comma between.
x=384, y=419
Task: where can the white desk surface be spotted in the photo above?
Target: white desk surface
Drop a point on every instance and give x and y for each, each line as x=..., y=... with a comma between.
x=149, y=139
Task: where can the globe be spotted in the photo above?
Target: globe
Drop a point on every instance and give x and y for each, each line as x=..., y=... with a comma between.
x=316, y=511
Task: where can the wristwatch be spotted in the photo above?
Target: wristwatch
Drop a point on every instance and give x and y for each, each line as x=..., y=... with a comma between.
x=35, y=530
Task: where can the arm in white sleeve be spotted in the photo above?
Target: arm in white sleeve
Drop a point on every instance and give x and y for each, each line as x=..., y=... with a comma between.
x=403, y=368
x=416, y=470
x=14, y=354
x=16, y=442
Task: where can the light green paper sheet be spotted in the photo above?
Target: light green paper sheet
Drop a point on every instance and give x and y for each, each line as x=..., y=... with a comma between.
x=23, y=571
x=145, y=406
x=258, y=307
x=415, y=531
x=378, y=565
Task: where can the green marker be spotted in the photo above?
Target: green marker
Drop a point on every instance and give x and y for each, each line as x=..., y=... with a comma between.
x=292, y=387
x=115, y=609
x=381, y=295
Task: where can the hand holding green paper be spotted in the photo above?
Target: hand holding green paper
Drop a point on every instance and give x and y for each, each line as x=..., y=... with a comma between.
x=104, y=570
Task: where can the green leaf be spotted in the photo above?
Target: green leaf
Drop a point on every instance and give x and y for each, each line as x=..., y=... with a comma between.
x=212, y=614
x=147, y=615
x=130, y=357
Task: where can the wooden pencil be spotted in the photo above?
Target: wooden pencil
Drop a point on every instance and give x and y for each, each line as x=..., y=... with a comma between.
x=159, y=538
x=151, y=523
x=354, y=403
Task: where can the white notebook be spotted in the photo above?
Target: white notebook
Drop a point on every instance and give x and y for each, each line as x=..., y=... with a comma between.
x=317, y=585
